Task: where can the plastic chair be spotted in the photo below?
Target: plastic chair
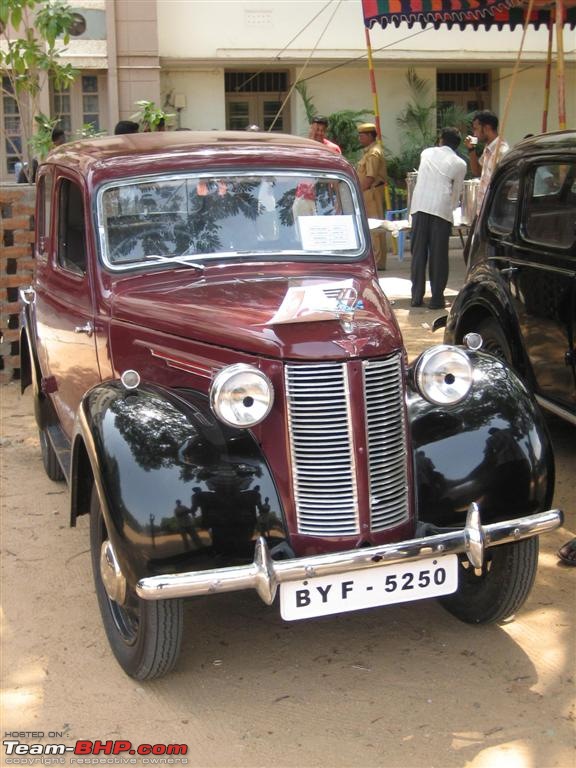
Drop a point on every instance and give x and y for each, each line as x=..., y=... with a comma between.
x=398, y=215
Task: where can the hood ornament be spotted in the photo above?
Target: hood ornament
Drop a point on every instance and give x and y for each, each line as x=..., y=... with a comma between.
x=353, y=345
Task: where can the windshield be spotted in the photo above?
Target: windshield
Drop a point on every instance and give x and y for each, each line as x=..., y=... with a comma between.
x=208, y=217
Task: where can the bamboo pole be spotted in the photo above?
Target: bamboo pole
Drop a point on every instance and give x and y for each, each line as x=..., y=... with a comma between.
x=548, y=72
x=504, y=120
x=560, y=74
x=387, y=199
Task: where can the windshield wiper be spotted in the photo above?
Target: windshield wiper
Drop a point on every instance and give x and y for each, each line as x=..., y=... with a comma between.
x=174, y=260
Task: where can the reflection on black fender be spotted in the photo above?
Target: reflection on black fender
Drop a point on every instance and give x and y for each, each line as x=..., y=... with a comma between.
x=179, y=489
x=493, y=449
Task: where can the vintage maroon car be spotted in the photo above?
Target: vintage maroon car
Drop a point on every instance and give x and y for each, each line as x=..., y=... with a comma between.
x=221, y=380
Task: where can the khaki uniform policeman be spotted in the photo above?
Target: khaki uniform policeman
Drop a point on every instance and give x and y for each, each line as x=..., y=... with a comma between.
x=371, y=170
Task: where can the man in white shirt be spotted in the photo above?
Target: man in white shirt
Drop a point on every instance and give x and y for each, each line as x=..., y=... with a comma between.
x=436, y=194
x=485, y=129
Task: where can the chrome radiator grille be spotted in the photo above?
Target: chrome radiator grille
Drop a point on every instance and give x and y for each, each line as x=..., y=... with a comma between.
x=321, y=443
x=386, y=442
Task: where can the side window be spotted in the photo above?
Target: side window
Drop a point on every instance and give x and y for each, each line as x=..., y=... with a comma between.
x=71, y=228
x=550, y=211
x=504, y=205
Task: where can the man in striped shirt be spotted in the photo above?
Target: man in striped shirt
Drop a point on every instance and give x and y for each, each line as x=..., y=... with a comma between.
x=485, y=129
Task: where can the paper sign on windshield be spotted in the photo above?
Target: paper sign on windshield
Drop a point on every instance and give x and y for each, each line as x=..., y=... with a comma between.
x=327, y=233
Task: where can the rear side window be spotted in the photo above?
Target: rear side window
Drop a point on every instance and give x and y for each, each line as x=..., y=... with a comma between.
x=504, y=205
x=550, y=211
x=71, y=228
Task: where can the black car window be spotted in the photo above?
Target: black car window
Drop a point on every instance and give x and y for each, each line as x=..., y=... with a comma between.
x=502, y=212
x=550, y=211
x=71, y=228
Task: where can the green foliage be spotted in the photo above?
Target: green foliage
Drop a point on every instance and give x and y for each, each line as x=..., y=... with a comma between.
x=311, y=110
x=30, y=60
x=41, y=140
x=419, y=122
x=343, y=130
x=342, y=125
x=149, y=115
x=88, y=131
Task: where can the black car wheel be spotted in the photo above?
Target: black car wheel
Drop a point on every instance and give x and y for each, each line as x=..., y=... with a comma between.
x=145, y=636
x=49, y=458
x=494, y=340
x=498, y=589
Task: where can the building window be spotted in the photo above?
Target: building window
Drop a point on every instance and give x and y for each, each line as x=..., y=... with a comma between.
x=62, y=109
x=79, y=105
x=12, y=129
x=469, y=91
x=90, y=101
x=255, y=98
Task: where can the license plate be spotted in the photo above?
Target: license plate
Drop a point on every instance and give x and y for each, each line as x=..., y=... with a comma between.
x=384, y=585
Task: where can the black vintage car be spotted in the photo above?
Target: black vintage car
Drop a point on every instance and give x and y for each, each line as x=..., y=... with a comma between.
x=520, y=290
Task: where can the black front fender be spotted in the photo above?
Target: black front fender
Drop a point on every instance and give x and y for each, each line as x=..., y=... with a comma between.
x=179, y=490
x=493, y=448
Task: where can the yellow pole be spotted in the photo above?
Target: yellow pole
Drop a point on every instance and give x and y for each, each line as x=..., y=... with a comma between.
x=387, y=199
x=547, y=83
x=560, y=77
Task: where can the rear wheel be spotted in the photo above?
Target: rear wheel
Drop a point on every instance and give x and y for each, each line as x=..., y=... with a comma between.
x=145, y=636
x=49, y=457
x=498, y=589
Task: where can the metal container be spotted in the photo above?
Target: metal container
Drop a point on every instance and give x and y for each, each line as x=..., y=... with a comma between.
x=469, y=197
x=411, y=177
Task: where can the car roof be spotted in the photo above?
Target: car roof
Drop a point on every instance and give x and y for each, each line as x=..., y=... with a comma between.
x=165, y=151
x=558, y=142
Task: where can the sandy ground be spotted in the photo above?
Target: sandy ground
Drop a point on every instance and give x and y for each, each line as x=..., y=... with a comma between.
x=405, y=686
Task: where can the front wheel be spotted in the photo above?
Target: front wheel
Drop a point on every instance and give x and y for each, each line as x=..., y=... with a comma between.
x=494, y=340
x=498, y=589
x=145, y=636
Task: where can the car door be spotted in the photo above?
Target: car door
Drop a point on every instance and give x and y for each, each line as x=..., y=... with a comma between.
x=546, y=278
x=64, y=304
x=532, y=222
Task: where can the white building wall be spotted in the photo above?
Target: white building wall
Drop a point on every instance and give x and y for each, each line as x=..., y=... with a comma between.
x=206, y=29
x=200, y=39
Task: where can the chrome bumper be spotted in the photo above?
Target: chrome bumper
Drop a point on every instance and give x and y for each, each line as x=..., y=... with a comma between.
x=264, y=574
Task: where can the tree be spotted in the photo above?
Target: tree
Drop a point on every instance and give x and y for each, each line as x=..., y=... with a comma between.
x=33, y=33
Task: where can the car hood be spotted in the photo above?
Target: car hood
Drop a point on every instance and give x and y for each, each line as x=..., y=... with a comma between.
x=327, y=315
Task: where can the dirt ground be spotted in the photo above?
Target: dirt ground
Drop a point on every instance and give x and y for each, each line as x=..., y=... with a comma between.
x=399, y=687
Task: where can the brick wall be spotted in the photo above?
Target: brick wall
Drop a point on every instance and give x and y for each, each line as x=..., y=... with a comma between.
x=16, y=269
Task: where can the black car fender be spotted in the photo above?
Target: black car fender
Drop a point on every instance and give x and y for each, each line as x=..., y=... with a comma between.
x=486, y=295
x=492, y=448
x=178, y=489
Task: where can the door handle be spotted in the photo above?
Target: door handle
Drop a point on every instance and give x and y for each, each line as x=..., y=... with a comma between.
x=88, y=329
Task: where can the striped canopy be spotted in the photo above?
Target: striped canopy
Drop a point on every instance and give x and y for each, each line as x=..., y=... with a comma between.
x=461, y=13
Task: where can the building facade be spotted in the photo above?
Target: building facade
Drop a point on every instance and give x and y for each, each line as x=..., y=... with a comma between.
x=218, y=64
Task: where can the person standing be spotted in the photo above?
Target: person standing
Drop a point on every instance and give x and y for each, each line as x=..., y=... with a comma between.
x=372, y=173
x=317, y=132
x=484, y=129
x=437, y=192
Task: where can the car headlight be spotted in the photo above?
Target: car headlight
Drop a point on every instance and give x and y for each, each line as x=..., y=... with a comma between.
x=443, y=375
x=241, y=395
